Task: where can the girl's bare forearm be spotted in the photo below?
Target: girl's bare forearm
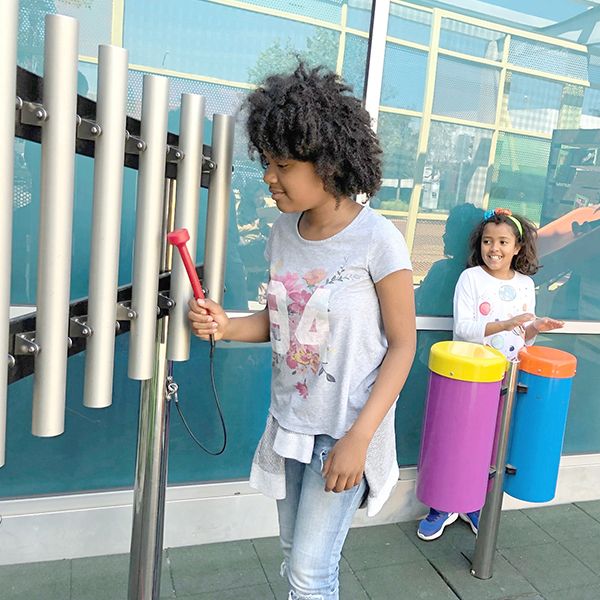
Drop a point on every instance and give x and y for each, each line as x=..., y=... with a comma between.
x=252, y=328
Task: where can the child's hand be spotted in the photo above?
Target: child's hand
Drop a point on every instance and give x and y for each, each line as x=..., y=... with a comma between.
x=207, y=318
x=547, y=324
x=518, y=321
x=345, y=464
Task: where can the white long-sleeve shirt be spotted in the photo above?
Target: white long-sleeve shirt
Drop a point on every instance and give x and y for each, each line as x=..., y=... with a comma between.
x=481, y=298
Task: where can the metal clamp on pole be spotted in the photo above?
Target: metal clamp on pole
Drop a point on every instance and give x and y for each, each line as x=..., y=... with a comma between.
x=482, y=565
x=78, y=327
x=25, y=344
x=134, y=144
x=87, y=129
x=31, y=113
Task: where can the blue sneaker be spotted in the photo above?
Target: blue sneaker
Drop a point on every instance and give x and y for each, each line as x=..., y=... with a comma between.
x=433, y=525
x=472, y=518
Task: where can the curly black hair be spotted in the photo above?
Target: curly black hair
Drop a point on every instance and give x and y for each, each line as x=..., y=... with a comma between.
x=310, y=115
x=526, y=261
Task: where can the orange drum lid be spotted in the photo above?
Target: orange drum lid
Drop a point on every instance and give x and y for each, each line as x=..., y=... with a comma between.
x=547, y=362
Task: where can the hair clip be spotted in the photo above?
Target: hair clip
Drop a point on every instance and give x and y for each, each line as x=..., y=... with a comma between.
x=505, y=212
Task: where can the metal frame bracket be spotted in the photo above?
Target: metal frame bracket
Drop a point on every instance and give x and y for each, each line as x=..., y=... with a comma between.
x=208, y=164
x=87, y=129
x=125, y=312
x=31, y=113
x=174, y=154
x=165, y=302
x=25, y=344
x=134, y=144
x=78, y=327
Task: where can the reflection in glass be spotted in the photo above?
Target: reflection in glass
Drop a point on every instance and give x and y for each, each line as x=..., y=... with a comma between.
x=440, y=252
x=456, y=166
x=471, y=39
x=403, y=77
x=464, y=90
x=519, y=174
x=399, y=136
x=409, y=24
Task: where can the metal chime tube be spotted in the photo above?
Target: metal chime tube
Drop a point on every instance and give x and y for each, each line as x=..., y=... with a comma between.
x=9, y=10
x=56, y=217
x=189, y=170
x=148, y=229
x=217, y=216
x=106, y=225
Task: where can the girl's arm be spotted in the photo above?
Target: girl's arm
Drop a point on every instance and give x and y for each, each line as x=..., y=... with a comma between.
x=208, y=318
x=345, y=464
x=542, y=324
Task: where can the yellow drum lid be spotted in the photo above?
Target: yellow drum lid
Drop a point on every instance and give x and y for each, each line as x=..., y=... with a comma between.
x=467, y=362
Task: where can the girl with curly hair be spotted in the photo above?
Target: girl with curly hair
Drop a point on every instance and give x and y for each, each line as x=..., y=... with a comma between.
x=340, y=318
x=494, y=304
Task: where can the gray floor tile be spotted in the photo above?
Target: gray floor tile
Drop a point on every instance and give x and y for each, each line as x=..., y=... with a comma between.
x=506, y=582
x=564, y=522
x=252, y=592
x=587, y=550
x=550, y=567
x=102, y=577
x=592, y=508
x=378, y=547
x=517, y=529
x=576, y=593
x=457, y=538
x=409, y=580
x=215, y=567
x=47, y=580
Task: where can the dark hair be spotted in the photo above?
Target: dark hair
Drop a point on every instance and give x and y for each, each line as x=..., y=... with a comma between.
x=309, y=115
x=525, y=261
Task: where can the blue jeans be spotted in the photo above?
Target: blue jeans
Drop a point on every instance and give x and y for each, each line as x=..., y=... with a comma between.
x=313, y=525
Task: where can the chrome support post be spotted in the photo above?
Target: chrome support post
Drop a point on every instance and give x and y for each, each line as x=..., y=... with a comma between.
x=482, y=565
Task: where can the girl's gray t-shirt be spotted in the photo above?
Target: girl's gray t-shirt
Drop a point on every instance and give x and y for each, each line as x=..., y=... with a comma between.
x=327, y=331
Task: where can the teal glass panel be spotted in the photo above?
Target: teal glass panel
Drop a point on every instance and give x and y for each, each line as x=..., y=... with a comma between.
x=582, y=434
x=455, y=166
x=411, y=404
x=169, y=35
x=440, y=253
x=590, y=112
x=399, y=136
x=533, y=103
x=95, y=23
x=359, y=14
x=313, y=9
x=355, y=63
x=403, y=77
x=547, y=58
x=465, y=90
x=471, y=39
x=409, y=24
x=97, y=450
x=519, y=174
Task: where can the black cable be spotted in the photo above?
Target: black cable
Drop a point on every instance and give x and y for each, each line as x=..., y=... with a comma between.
x=217, y=403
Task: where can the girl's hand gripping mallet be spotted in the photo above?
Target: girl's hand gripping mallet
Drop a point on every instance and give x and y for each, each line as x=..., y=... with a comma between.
x=179, y=238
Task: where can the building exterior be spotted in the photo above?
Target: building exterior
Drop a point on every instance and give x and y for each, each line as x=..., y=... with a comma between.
x=491, y=103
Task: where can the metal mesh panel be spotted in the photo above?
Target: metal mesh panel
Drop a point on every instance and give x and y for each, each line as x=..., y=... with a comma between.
x=465, y=90
x=399, y=137
x=547, y=58
x=225, y=42
x=456, y=166
x=470, y=39
x=355, y=61
x=359, y=14
x=409, y=24
x=519, y=174
x=428, y=246
x=95, y=22
x=324, y=10
x=533, y=103
x=403, y=77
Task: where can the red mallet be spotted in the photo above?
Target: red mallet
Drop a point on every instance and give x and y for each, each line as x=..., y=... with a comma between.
x=179, y=238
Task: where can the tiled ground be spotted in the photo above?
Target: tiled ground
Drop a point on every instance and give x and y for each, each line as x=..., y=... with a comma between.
x=543, y=554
